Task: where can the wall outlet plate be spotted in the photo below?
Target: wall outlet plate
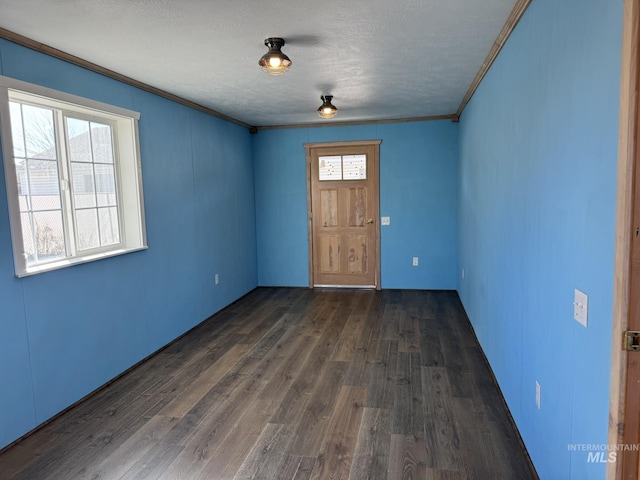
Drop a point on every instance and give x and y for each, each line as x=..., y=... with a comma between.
x=580, y=307
x=385, y=220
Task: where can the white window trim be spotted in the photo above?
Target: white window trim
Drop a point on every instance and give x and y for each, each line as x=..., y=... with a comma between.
x=129, y=167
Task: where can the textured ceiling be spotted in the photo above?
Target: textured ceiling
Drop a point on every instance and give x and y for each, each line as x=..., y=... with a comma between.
x=380, y=59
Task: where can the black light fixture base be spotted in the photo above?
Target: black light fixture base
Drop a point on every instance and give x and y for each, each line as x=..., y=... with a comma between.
x=274, y=42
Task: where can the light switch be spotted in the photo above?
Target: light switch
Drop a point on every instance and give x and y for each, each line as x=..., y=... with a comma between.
x=580, y=307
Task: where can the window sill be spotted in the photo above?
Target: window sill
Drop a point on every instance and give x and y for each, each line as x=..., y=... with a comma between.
x=68, y=262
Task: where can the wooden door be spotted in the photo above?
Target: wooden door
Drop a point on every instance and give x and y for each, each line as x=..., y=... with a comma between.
x=343, y=214
x=624, y=415
x=629, y=456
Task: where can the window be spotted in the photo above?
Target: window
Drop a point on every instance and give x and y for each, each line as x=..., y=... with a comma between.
x=73, y=177
x=343, y=167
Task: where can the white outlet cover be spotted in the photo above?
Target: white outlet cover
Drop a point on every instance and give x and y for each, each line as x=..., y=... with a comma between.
x=385, y=220
x=580, y=307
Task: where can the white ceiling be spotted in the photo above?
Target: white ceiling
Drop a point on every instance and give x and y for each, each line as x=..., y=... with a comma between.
x=380, y=59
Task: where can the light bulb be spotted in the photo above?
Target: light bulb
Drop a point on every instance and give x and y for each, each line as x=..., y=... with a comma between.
x=274, y=62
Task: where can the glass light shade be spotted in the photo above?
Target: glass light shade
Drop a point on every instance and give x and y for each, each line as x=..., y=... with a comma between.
x=274, y=62
x=327, y=109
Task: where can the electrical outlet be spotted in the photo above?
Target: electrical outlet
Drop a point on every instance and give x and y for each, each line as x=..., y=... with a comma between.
x=537, y=395
x=217, y=279
x=415, y=261
x=385, y=220
x=580, y=307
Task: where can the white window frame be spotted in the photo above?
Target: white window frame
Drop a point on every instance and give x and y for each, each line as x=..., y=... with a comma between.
x=126, y=162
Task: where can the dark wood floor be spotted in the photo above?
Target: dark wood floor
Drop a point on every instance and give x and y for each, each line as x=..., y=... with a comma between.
x=295, y=384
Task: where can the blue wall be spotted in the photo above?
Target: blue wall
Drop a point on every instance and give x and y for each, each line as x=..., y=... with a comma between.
x=418, y=190
x=538, y=165
x=523, y=188
x=65, y=333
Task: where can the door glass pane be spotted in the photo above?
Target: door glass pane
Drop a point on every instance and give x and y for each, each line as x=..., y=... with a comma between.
x=330, y=168
x=354, y=167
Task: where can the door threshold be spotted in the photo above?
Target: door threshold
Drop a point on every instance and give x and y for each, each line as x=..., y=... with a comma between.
x=360, y=287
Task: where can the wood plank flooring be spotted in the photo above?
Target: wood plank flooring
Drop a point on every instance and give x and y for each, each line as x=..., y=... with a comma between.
x=295, y=384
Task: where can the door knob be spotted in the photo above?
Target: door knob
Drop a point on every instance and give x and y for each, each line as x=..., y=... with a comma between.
x=370, y=221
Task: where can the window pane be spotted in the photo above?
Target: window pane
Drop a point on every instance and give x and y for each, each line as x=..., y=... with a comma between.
x=44, y=186
x=109, y=230
x=354, y=167
x=21, y=176
x=107, y=200
x=78, y=140
x=101, y=145
x=39, y=132
x=105, y=185
x=15, y=113
x=23, y=202
x=330, y=168
x=83, y=185
x=49, y=235
x=87, y=229
x=27, y=238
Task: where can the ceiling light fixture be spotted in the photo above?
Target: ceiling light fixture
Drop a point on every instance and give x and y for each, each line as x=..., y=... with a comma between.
x=274, y=62
x=327, y=109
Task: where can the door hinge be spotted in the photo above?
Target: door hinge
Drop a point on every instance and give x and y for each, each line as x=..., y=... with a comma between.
x=631, y=342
